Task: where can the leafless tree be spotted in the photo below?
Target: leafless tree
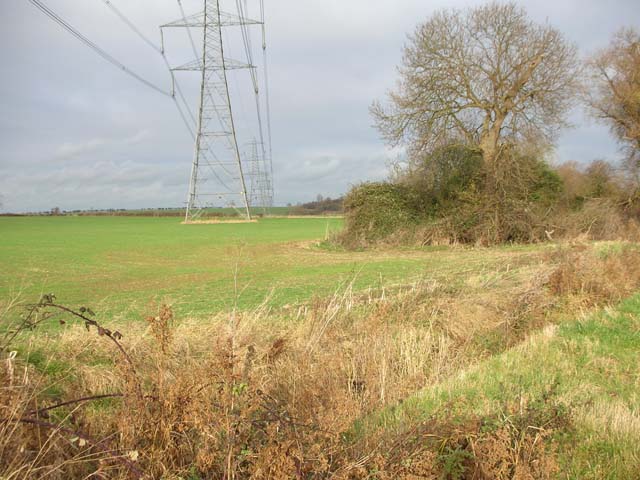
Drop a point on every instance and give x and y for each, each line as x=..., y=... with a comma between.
x=484, y=76
x=614, y=91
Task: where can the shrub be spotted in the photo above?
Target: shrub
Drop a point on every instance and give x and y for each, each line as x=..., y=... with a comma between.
x=441, y=177
x=375, y=210
x=601, y=180
x=321, y=206
x=598, y=277
x=450, y=197
x=547, y=185
x=511, y=204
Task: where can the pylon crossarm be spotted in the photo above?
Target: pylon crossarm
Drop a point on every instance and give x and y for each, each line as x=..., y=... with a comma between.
x=196, y=66
x=197, y=21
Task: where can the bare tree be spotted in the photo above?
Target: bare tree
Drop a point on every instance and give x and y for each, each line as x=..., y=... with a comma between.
x=483, y=76
x=614, y=96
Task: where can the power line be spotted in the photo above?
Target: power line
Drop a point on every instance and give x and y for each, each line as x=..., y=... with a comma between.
x=266, y=90
x=161, y=52
x=193, y=44
x=53, y=16
x=112, y=60
x=215, y=104
x=228, y=99
x=186, y=104
x=184, y=119
x=216, y=124
x=194, y=49
x=246, y=38
x=132, y=26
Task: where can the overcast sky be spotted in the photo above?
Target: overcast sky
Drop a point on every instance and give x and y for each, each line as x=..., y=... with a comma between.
x=77, y=133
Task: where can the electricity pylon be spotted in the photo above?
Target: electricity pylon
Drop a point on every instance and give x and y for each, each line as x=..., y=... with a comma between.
x=217, y=172
x=260, y=184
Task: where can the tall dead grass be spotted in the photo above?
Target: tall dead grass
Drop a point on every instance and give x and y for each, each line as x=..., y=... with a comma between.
x=593, y=276
x=275, y=394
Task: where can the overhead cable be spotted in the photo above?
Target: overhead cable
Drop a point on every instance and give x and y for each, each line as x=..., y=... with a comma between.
x=266, y=89
x=132, y=26
x=53, y=16
x=161, y=52
x=246, y=39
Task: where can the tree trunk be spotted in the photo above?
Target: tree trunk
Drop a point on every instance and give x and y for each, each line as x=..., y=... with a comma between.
x=489, y=145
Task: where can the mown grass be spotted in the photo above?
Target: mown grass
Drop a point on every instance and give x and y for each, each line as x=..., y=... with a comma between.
x=117, y=265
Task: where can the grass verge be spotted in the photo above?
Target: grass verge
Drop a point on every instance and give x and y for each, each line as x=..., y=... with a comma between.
x=589, y=366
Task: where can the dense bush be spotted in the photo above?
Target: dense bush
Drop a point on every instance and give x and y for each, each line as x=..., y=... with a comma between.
x=441, y=178
x=375, y=210
x=450, y=196
x=596, y=180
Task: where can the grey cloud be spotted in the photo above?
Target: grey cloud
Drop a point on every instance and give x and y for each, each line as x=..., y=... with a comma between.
x=77, y=133
x=70, y=150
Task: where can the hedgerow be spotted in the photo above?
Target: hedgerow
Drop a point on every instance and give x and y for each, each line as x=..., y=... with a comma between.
x=451, y=196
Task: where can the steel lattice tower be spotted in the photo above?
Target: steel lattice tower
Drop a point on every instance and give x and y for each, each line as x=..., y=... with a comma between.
x=259, y=179
x=217, y=170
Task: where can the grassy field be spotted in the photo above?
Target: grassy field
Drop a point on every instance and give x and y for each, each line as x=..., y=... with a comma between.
x=116, y=265
x=179, y=212
x=438, y=362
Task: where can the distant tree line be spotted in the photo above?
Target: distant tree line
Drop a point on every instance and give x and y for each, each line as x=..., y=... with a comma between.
x=321, y=206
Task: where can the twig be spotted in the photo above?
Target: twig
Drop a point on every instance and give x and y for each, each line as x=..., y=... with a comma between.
x=77, y=400
x=119, y=458
x=113, y=336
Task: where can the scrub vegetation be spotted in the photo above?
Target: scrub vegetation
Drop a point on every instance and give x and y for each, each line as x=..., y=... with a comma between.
x=478, y=316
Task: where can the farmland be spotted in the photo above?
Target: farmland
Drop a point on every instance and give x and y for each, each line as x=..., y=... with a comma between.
x=116, y=262
x=464, y=306
x=424, y=351
x=117, y=265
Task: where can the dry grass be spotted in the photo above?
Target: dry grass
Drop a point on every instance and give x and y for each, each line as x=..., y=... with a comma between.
x=614, y=417
x=598, y=219
x=272, y=394
x=596, y=277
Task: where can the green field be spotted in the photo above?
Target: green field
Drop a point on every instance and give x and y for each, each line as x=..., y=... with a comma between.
x=117, y=265
x=179, y=212
x=461, y=352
